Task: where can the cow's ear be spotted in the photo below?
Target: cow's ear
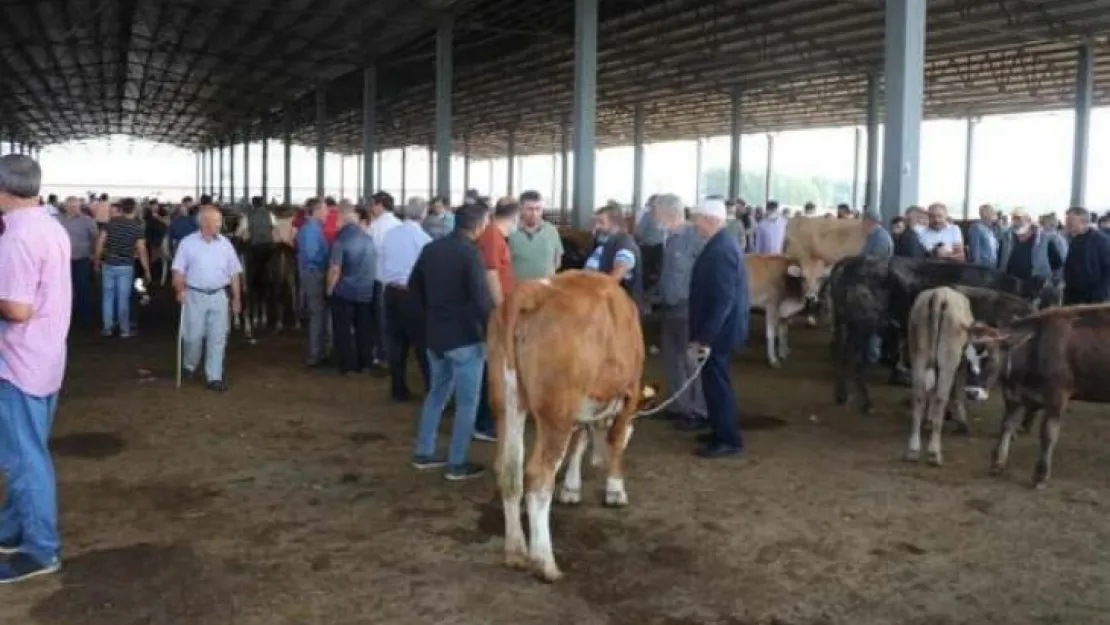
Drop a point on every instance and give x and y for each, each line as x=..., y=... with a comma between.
x=794, y=271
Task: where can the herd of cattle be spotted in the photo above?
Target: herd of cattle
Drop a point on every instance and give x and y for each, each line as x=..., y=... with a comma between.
x=569, y=351
x=962, y=328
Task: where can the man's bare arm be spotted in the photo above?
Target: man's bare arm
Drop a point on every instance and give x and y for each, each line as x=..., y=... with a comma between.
x=494, y=287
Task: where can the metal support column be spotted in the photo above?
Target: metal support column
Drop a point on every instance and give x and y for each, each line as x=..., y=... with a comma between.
x=444, y=95
x=564, y=188
x=378, y=179
x=342, y=176
x=211, y=171
x=858, y=139
x=489, y=164
x=199, y=166
x=510, y=148
x=321, y=137
x=247, y=167
x=220, y=182
x=265, y=191
x=770, y=169
x=369, y=128
x=905, y=88
x=871, y=157
x=1084, y=94
x=969, y=159
x=431, y=171
x=231, y=170
x=287, y=160
x=201, y=160
x=637, y=157
x=735, y=136
x=466, y=164
x=585, y=109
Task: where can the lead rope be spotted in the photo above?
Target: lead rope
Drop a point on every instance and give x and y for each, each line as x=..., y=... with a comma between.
x=702, y=358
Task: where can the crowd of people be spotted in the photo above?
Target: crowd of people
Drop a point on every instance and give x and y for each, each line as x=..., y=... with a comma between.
x=378, y=281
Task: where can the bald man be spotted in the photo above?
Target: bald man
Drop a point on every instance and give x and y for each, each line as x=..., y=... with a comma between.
x=204, y=269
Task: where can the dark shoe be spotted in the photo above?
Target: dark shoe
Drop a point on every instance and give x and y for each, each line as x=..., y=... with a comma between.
x=466, y=471
x=485, y=437
x=717, y=450
x=424, y=463
x=217, y=385
x=22, y=567
x=187, y=373
x=691, y=424
x=705, y=438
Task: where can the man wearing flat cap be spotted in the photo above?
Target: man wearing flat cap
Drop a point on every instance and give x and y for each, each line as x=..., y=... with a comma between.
x=718, y=316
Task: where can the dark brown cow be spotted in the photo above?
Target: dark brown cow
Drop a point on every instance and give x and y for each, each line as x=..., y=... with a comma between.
x=1042, y=362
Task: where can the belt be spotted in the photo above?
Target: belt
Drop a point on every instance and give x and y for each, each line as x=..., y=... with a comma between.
x=206, y=291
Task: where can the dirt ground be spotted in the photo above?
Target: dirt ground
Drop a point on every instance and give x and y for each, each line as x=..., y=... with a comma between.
x=290, y=501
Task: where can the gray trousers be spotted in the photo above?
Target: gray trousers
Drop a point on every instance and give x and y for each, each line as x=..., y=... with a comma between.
x=205, y=327
x=680, y=366
x=315, y=303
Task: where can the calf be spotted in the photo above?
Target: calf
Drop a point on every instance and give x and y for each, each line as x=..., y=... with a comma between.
x=280, y=290
x=873, y=296
x=1042, y=362
x=777, y=287
x=938, y=332
x=569, y=352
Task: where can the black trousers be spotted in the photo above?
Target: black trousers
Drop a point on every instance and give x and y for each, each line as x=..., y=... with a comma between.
x=405, y=329
x=353, y=328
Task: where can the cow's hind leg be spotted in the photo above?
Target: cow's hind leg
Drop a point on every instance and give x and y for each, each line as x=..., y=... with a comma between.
x=553, y=434
x=1050, y=435
x=571, y=492
x=858, y=350
x=771, y=323
x=920, y=403
x=510, y=473
x=938, y=403
x=619, y=435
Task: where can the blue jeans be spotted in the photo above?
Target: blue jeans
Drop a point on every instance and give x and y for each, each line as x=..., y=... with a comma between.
x=115, y=296
x=458, y=370
x=29, y=518
x=81, y=270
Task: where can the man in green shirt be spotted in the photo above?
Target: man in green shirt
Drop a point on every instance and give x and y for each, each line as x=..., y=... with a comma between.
x=537, y=250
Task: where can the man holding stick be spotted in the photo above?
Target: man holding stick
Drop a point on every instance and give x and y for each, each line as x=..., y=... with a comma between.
x=204, y=268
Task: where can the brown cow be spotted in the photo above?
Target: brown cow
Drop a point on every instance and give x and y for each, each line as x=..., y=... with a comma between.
x=1043, y=361
x=818, y=244
x=569, y=351
x=775, y=287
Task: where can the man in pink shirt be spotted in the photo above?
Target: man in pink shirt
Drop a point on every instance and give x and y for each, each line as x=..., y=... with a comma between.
x=35, y=298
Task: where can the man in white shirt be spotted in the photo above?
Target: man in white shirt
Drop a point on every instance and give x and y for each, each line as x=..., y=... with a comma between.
x=398, y=253
x=382, y=220
x=940, y=238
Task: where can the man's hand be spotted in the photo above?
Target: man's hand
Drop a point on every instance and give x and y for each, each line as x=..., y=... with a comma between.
x=236, y=306
x=96, y=266
x=181, y=296
x=698, y=351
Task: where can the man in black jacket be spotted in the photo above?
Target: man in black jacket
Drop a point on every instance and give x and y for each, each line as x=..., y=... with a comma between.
x=448, y=284
x=1087, y=268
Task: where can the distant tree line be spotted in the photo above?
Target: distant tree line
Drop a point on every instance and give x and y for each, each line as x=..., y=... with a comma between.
x=786, y=189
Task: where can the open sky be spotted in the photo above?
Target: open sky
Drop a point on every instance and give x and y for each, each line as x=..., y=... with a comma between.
x=1019, y=160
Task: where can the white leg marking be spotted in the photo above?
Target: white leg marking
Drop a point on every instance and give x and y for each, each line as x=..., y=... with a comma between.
x=771, y=330
x=572, y=480
x=510, y=473
x=615, y=494
x=539, y=518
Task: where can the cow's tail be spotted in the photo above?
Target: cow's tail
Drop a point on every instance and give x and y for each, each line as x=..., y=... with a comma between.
x=938, y=308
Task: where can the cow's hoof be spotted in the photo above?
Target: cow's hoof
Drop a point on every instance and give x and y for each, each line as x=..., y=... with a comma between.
x=935, y=460
x=774, y=364
x=911, y=455
x=616, y=498
x=997, y=469
x=570, y=495
x=866, y=410
x=1040, y=484
x=547, y=571
x=518, y=560
x=962, y=429
x=840, y=398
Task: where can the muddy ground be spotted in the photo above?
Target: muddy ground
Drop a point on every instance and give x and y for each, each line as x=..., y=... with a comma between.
x=290, y=501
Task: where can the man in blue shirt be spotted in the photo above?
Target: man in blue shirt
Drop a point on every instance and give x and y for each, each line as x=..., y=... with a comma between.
x=351, y=287
x=312, y=265
x=185, y=222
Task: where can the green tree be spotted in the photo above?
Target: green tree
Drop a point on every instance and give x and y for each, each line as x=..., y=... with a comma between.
x=788, y=190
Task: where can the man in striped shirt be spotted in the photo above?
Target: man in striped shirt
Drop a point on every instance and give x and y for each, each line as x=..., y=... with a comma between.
x=120, y=242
